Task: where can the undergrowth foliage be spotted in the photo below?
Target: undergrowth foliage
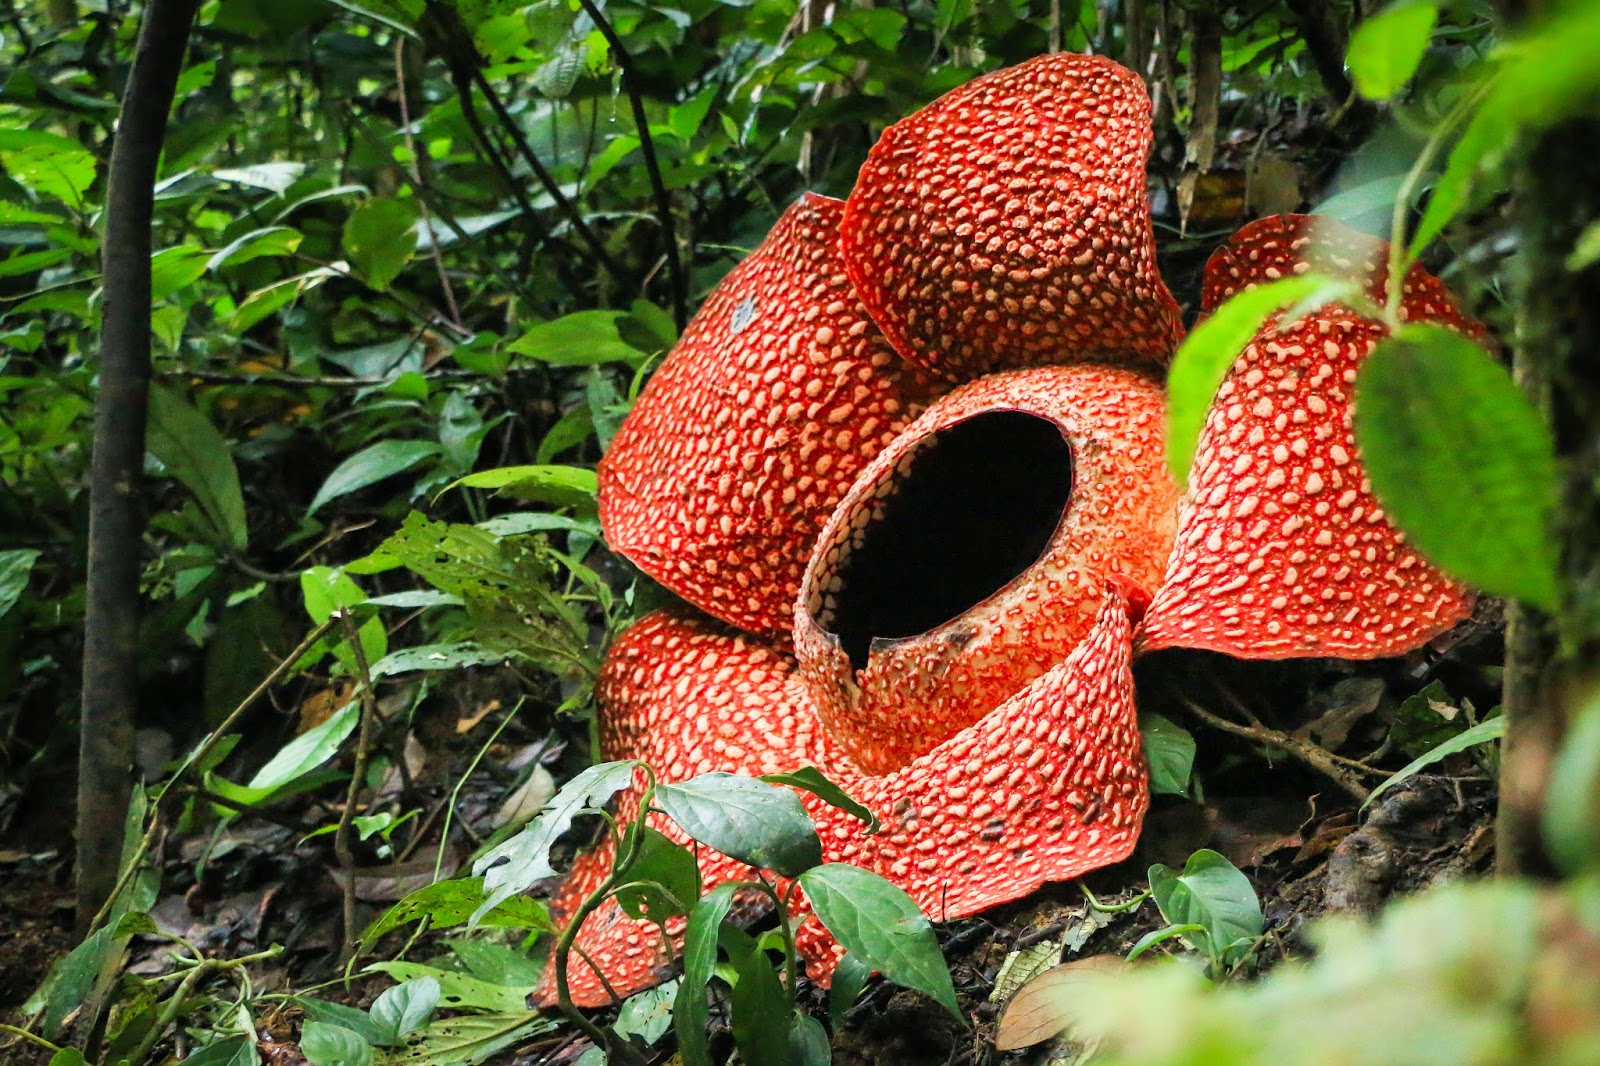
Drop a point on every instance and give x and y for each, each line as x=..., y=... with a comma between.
x=414, y=261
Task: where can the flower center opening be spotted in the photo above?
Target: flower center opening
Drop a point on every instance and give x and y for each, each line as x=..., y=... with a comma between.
x=965, y=512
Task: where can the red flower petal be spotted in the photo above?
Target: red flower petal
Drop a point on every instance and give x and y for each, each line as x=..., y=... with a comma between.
x=1049, y=787
x=1006, y=224
x=972, y=554
x=779, y=392
x=1282, y=549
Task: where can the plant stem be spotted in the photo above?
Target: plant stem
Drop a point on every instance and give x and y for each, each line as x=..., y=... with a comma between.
x=343, y=849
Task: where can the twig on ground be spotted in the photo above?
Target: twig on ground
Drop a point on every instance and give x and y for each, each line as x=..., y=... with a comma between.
x=1319, y=759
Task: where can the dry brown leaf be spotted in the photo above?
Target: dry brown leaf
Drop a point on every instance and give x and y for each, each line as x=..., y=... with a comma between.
x=1043, y=1008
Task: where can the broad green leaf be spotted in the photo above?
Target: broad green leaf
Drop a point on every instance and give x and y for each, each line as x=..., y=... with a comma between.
x=542, y=483
x=71, y=1056
x=174, y=269
x=307, y=751
x=372, y=464
x=379, y=237
x=1386, y=48
x=808, y=1041
x=764, y=825
x=446, y=904
x=195, y=453
x=233, y=1051
x=1572, y=799
x=498, y=964
x=273, y=177
x=469, y=1039
x=760, y=1010
x=666, y=863
x=1202, y=361
x=259, y=243
x=1482, y=733
x=849, y=978
x=881, y=925
x=583, y=338
x=517, y=863
x=690, y=1013
x=337, y=1014
x=73, y=976
x=407, y=1006
x=333, y=1045
x=436, y=657
x=15, y=566
x=1586, y=250
x=1461, y=461
x=273, y=298
x=326, y=590
x=815, y=782
x=49, y=165
x=455, y=991
x=1169, y=749
x=647, y=1015
x=1210, y=893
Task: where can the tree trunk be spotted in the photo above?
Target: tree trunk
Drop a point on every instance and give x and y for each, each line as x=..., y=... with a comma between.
x=1557, y=359
x=111, y=621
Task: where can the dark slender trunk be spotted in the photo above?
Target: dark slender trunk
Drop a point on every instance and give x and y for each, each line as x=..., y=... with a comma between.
x=1548, y=660
x=111, y=622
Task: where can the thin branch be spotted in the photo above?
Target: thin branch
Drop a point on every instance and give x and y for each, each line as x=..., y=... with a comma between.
x=368, y=710
x=116, y=527
x=415, y=166
x=647, y=147
x=1319, y=759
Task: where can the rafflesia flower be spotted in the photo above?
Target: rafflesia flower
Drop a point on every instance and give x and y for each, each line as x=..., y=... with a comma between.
x=907, y=467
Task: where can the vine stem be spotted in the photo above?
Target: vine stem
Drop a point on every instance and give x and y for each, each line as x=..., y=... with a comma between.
x=343, y=849
x=1400, y=257
x=199, y=755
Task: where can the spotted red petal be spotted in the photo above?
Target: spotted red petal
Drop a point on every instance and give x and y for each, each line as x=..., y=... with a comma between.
x=1007, y=224
x=1282, y=548
x=971, y=556
x=779, y=392
x=1048, y=787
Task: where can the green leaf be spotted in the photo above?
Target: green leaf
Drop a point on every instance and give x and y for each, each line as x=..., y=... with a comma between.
x=1210, y=893
x=1571, y=818
x=337, y=1014
x=72, y=977
x=808, y=1041
x=583, y=338
x=174, y=269
x=1202, y=361
x=1586, y=249
x=667, y=864
x=1386, y=48
x=49, y=165
x=647, y=1015
x=1169, y=749
x=764, y=825
x=690, y=1013
x=815, y=782
x=456, y=991
x=332, y=1045
x=71, y=1056
x=849, y=978
x=307, y=751
x=407, y=1006
x=468, y=1040
x=1482, y=733
x=517, y=863
x=372, y=464
x=257, y=244
x=379, y=236
x=194, y=452
x=881, y=925
x=15, y=566
x=498, y=964
x=435, y=657
x=760, y=1010
x=233, y=1051
x=446, y=904
x=1461, y=461
x=542, y=483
